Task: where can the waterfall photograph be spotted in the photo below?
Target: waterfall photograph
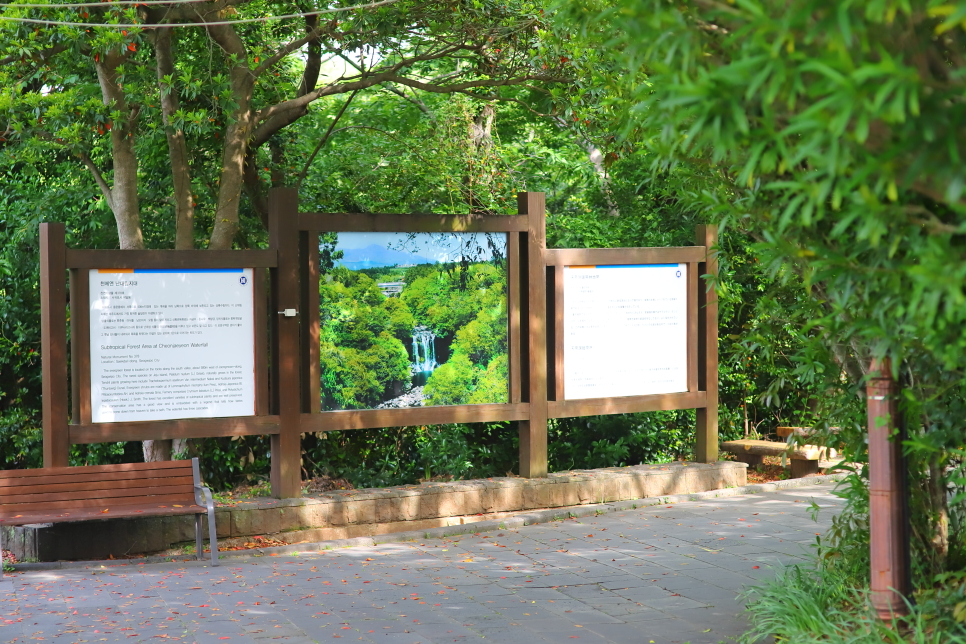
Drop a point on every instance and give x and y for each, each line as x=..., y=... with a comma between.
x=413, y=319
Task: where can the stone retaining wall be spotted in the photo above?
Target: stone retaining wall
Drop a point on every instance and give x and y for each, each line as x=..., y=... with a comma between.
x=370, y=512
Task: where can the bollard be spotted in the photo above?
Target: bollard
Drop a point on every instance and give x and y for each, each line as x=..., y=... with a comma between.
x=889, y=542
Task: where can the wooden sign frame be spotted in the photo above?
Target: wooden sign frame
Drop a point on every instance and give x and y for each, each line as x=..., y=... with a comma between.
x=288, y=401
x=702, y=354
x=56, y=259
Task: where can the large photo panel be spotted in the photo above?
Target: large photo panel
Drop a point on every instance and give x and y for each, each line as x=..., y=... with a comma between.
x=625, y=330
x=171, y=343
x=413, y=319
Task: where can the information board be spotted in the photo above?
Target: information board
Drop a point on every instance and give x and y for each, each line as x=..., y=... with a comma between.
x=625, y=330
x=171, y=343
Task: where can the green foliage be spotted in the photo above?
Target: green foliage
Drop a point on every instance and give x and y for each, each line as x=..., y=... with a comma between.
x=758, y=343
x=451, y=298
x=619, y=440
x=362, y=353
x=30, y=194
x=404, y=455
x=20, y=440
x=808, y=606
x=451, y=382
x=828, y=135
x=396, y=150
x=227, y=462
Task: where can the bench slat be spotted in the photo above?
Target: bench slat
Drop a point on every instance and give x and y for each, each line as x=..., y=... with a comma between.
x=79, y=470
x=45, y=486
x=11, y=484
x=88, y=498
x=66, y=496
x=86, y=514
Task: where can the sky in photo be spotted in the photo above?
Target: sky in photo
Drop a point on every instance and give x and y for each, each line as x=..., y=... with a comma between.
x=439, y=247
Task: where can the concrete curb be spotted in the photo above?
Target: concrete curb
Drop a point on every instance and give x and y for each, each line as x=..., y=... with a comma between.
x=520, y=520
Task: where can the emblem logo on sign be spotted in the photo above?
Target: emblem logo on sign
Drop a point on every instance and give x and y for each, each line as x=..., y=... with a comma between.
x=243, y=280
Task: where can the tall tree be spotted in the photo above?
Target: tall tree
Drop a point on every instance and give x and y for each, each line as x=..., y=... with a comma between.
x=220, y=79
x=194, y=91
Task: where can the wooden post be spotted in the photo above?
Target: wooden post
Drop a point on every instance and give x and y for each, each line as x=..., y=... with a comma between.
x=80, y=347
x=53, y=342
x=311, y=323
x=706, y=444
x=533, y=432
x=286, y=475
x=888, y=540
x=260, y=309
x=516, y=309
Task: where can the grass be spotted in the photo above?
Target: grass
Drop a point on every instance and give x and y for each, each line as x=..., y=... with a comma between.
x=802, y=606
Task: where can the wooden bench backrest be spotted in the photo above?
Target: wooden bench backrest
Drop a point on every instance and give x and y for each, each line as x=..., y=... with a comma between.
x=57, y=489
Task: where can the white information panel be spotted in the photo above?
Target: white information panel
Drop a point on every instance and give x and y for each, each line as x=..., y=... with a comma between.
x=169, y=344
x=625, y=330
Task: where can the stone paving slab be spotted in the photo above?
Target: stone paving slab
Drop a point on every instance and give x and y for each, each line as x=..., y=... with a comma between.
x=662, y=573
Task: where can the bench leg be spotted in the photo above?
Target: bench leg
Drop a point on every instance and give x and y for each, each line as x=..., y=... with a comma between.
x=802, y=468
x=212, y=528
x=753, y=460
x=1, y=553
x=199, y=542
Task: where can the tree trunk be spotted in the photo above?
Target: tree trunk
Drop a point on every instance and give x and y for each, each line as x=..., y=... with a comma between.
x=123, y=196
x=163, y=450
x=177, y=146
x=236, y=139
x=940, y=508
x=596, y=157
x=481, y=138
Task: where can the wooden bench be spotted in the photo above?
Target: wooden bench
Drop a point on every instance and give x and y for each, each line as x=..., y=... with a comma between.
x=804, y=458
x=57, y=494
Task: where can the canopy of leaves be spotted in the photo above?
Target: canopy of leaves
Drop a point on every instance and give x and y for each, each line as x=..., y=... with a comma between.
x=831, y=133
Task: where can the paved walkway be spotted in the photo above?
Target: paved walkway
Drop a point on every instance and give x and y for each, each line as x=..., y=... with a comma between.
x=658, y=574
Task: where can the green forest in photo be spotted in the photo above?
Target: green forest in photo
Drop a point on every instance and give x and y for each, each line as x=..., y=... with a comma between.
x=440, y=340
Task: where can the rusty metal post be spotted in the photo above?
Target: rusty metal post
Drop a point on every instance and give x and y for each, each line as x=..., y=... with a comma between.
x=889, y=542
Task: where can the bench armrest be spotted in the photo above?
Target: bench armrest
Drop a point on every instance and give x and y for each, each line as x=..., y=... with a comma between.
x=204, y=498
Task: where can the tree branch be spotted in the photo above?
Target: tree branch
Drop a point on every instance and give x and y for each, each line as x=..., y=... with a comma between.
x=99, y=179
x=328, y=133
x=278, y=116
x=398, y=92
x=40, y=56
x=313, y=61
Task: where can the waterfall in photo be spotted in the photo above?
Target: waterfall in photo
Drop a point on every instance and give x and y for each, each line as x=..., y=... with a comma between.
x=424, y=354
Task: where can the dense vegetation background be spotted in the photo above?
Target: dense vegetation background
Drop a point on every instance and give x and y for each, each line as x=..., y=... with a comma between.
x=533, y=152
